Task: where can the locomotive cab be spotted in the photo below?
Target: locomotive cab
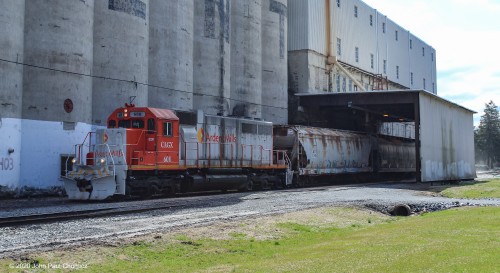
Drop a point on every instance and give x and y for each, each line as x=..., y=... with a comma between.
x=152, y=135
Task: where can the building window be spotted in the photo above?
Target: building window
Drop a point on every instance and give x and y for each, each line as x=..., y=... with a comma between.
x=432, y=56
x=396, y=35
x=167, y=129
x=356, y=11
x=411, y=44
x=423, y=51
x=371, y=60
x=411, y=78
x=337, y=82
x=356, y=54
x=151, y=126
x=397, y=71
x=350, y=85
x=371, y=20
x=383, y=27
x=424, y=84
x=385, y=66
x=339, y=47
x=338, y=3
x=343, y=84
x=433, y=88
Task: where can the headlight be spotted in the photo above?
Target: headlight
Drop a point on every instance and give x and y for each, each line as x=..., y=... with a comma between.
x=73, y=160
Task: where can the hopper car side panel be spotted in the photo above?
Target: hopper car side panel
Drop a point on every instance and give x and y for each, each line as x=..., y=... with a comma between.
x=321, y=151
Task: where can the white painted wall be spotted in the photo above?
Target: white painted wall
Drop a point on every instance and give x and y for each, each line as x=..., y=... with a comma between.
x=10, y=163
x=447, y=138
x=43, y=144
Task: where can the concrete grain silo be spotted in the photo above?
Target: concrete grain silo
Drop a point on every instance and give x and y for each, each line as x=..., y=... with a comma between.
x=120, y=70
x=57, y=95
x=171, y=33
x=11, y=82
x=246, y=58
x=58, y=41
x=274, y=61
x=212, y=53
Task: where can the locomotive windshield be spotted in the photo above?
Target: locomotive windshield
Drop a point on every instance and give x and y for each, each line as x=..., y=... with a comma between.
x=129, y=123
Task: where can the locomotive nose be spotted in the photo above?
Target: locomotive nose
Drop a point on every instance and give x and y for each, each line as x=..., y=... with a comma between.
x=84, y=185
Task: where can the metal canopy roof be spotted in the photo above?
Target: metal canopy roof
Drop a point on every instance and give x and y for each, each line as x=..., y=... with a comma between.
x=444, y=146
x=394, y=101
x=385, y=106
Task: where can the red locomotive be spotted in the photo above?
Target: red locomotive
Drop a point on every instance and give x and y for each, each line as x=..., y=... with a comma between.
x=147, y=151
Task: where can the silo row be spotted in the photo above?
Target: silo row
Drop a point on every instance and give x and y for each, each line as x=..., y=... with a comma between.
x=84, y=58
x=159, y=53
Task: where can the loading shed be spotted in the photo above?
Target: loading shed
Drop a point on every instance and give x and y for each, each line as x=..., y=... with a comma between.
x=443, y=130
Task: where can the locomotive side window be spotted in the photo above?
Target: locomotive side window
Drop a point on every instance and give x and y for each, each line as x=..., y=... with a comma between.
x=124, y=124
x=151, y=126
x=167, y=129
x=138, y=123
x=248, y=128
x=265, y=130
x=112, y=123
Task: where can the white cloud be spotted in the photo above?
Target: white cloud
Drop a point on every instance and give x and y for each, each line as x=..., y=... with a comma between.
x=464, y=34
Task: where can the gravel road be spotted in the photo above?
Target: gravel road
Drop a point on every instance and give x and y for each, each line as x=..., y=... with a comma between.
x=210, y=209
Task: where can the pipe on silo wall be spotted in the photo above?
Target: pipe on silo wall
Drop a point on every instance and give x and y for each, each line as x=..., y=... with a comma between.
x=171, y=33
x=11, y=82
x=274, y=61
x=246, y=58
x=57, y=83
x=212, y=55
x=121, y=41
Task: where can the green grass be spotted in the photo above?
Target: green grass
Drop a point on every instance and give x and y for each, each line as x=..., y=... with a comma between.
x=457, y=240
x=475, y=189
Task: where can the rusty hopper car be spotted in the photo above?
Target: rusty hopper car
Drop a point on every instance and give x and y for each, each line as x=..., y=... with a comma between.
x=146, y=151
x=324, y=152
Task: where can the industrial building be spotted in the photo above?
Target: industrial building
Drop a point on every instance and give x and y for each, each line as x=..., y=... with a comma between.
x=346, y=46
x=65, y=65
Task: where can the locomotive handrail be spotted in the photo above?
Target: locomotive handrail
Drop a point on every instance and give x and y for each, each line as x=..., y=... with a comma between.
x=251, y=153
x=112, y=159
x=281, y=155
x=78, y=147
x=209, y=152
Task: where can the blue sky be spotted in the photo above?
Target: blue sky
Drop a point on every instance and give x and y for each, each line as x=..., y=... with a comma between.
x=465, y=34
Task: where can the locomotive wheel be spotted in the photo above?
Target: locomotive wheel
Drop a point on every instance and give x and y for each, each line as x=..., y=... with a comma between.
x=154, y=190
x=249, y=185
x=171, y=191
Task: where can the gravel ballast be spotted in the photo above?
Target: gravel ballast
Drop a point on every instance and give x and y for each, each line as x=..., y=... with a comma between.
x=211, y=209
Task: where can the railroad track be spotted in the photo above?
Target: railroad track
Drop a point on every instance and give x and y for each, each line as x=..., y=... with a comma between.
x=201, y=199
x=77, y=214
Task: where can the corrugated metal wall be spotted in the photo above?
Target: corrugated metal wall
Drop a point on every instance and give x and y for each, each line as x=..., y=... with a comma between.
x=447, y=137
x=360, y=37
x=298, y=25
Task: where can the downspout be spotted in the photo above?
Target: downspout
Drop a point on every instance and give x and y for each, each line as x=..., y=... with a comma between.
x=328, y=39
